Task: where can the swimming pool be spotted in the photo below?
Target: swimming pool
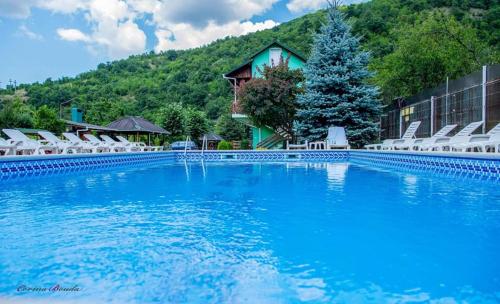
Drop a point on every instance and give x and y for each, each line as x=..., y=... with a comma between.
x=256, y=232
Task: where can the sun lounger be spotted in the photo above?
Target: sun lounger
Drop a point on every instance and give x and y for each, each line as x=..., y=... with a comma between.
x=414, y=143
x=63, y=146
x=142, y=146
x=26, y=145
x=481, y=142
x=7, y=147
x=85, y=146
x=119, y=145
x=446, y=143
x=95, y=141
x=337, y=139
x=388, y=143
x=290, y=146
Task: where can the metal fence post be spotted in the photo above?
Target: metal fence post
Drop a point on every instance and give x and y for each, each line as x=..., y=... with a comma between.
x=432, y=115
x=446, y=102
x=483, y=115
x=400, y=123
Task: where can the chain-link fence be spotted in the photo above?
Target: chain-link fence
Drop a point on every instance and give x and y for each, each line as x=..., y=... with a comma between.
x=457, y=102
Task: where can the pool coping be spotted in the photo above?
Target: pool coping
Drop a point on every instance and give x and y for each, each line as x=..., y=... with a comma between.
x=463, y=155
x=480, y=164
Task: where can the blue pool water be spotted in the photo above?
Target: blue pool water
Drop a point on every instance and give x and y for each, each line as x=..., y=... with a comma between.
x=251, y=233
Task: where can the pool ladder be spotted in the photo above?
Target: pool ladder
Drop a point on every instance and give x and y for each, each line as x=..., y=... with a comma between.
x=204, y=145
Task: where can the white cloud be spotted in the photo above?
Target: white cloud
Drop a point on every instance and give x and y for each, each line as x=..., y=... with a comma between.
x=297, y=6
x=192, y=23
x=178, y=24
x=121, y=39
x=184, y=36
x=113, y=29
x=200, y=13
x=62, y=6
x=72, y=35
x=26, y=32
x=15, y=8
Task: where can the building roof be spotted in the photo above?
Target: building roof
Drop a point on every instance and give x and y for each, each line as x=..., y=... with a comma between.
x=273, y=43
x=211, y=137
x=136, y=124
x=29, y=131
x=88, y=126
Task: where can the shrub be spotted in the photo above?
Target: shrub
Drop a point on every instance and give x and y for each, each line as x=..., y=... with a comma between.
x=245, y=144
x=224, y=145
x=46, y=118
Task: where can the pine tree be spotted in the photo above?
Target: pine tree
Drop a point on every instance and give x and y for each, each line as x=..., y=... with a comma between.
x=336, y=90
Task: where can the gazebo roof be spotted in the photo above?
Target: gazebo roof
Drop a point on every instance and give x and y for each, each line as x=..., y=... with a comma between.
x=88, y=126
x=211, y=137
x=136, y=124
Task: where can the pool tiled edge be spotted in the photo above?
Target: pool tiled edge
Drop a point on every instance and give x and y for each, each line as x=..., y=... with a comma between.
x=465, y=164
x=272, y=155
x=470, y=164
x=31, y=166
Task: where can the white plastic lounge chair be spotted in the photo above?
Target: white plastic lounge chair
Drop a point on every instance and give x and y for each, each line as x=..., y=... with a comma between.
x=85, y=146
x=337, y=139
x=8, y=148
x=95, y=141
x=446, y=143
x=481, y=142
x=290, y=146
x=142, y=146
x=388, y=143
x=413, y=144
x=119, y=145
x=63, y=146
x=26, y=145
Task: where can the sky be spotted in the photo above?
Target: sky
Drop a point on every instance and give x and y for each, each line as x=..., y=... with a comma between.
x=42, y=39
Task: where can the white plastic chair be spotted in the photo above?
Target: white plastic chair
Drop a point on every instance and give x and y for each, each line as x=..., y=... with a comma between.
x=119, y=145
x=414, y=143
x=142, y=146
x=388, y=143
x=337, y=139
x=85, y=146
x=95, y=141
x=290, y=146
x=482, y=143
x=63, y=146
x=7, y=148
x=446, y=143
x=26, y=145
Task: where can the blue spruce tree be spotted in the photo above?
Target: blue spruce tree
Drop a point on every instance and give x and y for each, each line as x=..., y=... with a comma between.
x=336, y=90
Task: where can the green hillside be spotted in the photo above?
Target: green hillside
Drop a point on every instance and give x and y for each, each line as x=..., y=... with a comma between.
x=447, y=37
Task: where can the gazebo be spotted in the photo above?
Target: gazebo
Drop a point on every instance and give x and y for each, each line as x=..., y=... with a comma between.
x=212, y=140
x=134, y=125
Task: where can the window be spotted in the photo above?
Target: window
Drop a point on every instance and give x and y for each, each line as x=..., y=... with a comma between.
x=274, y=56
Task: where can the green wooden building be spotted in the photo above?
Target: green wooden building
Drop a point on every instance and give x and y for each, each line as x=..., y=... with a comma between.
x=262, y=137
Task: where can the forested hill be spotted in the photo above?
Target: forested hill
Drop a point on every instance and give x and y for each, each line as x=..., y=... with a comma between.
x=414, y=44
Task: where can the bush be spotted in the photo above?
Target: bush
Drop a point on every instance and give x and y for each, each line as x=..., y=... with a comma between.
x=171, y=118
x=15, y=114
x=245, y=144
x=196, y=123
x=229, y=128
x=224, y=145
x=46, y=119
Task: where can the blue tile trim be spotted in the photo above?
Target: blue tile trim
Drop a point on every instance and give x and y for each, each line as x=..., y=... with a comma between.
x=264, y=155
x=482, y=167
x=40, y=166
x=19, y=167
